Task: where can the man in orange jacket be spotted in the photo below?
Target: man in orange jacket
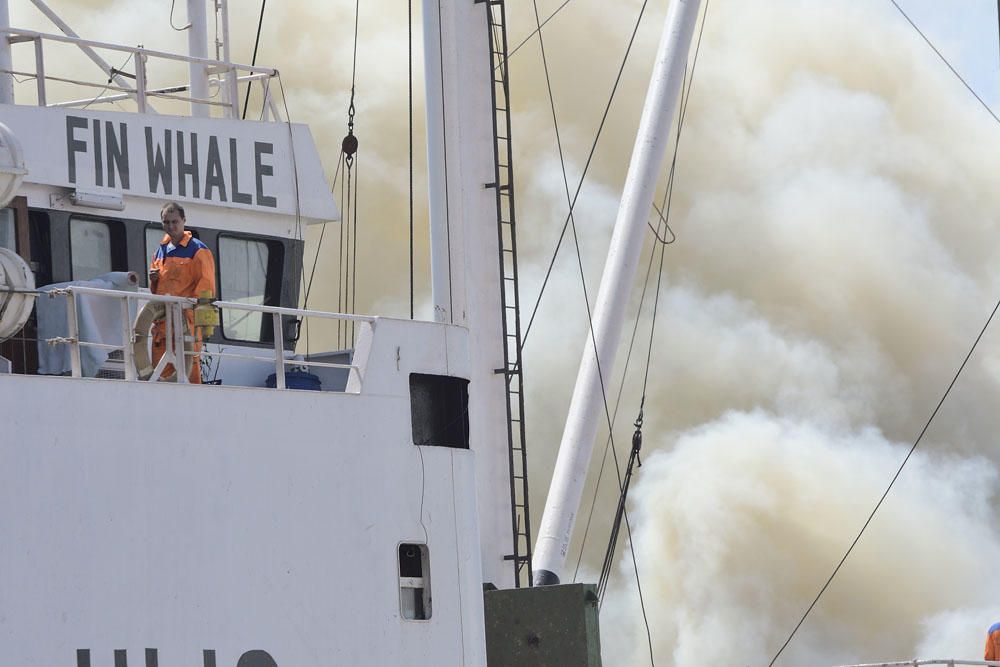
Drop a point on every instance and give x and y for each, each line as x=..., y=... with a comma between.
x=181, y=266
x=993, y=642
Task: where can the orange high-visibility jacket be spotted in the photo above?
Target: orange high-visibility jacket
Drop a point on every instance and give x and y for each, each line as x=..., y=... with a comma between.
x=186, y=270
x=993, y=643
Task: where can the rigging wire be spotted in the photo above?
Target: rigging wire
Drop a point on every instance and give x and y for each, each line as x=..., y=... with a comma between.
x=540, y=26
x=945, y=61
x=346, y=266
x=637, y=438
x=345, y=215
x=354, y=249
x=350, y=148
x=614, y=415
x=322, y=233
x=444, y=139
x=181, y=29
x=892, y=482
x=409, y=36
x=111, y=78
x=663, y=219
x=621, y=513
x=583, y=175
x=944, y=396
x=253, y=60
x=295, y=162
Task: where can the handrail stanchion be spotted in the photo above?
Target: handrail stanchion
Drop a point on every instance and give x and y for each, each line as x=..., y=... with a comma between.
x=180, y=359
x=40, y=72
x=6, y=80
x=73, y=330
x=233, y=87
x=128, y=355
x=140, y=81
x=168, y=339
x=279, y=357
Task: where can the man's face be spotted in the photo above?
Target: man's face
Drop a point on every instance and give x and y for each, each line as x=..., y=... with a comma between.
x=173, y=225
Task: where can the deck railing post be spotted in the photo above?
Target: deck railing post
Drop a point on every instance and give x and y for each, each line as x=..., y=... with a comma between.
x=180, y=359
x=40, y=72
x=279, y=357
x=140, y=81
x=127, y=352
x=72, y=328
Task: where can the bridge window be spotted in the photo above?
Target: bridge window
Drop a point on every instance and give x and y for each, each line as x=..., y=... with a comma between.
x=96, y=247
x=243, y=277
x=154, y=234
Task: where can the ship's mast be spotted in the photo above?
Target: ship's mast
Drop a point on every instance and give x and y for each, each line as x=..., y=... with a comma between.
x=587, y=408
x=6, y=64
x=465, y=272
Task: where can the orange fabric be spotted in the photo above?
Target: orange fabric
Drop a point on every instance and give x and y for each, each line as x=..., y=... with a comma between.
x=993, y=645
x=182, y=276
x=160, y=348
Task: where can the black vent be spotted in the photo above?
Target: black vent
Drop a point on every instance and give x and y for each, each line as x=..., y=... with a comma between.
x=439, y=410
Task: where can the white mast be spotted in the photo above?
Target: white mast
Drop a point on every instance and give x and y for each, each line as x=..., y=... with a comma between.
x=6, y=63
x=198, y=48
x=465, y=265
x=587, y=407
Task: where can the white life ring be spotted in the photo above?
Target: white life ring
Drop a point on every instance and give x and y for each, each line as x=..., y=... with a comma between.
x=14, y=308
x=152, y=311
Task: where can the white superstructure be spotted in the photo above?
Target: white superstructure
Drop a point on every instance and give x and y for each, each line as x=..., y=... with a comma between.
x=239, y=524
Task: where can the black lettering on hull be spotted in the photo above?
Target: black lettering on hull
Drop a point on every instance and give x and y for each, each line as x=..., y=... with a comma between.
x=159, y=164
x=74, y=145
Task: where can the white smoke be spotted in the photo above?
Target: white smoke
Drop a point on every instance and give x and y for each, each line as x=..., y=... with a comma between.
x=741, y=522
x=832, y=269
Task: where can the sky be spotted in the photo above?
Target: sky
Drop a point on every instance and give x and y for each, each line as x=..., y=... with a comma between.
x=836, y=219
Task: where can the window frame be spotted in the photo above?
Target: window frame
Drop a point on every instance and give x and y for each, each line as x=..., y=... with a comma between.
x=22, y=235
x=273, y=275
x=117, y=242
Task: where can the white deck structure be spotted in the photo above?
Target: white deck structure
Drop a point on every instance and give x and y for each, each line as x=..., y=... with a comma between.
x=237, y=525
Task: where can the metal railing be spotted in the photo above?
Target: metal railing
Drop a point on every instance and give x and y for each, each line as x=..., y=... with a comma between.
x=176, y=336
x=229, y=75
x=949, y=662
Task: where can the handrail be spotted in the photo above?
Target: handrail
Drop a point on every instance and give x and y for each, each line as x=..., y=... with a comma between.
x=950, y=662
x=140, y=55
x=136, y=50
x=280, y=310
x=175, y=306
x=166, y=90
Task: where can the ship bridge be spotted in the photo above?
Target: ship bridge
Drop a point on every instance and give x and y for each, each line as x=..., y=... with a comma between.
x=100, y=153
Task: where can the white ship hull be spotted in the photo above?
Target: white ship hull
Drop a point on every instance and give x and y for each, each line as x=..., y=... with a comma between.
x=152, y=516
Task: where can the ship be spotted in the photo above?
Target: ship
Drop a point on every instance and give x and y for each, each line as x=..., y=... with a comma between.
x=360, y=505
